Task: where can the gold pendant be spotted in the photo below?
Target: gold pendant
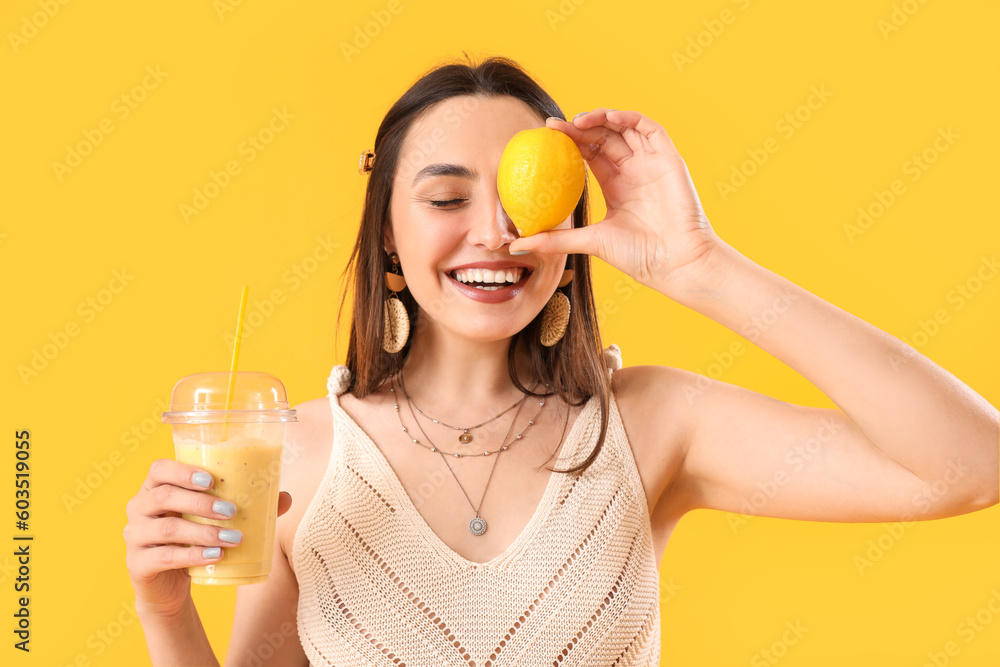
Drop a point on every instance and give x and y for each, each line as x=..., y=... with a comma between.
x=465, y=438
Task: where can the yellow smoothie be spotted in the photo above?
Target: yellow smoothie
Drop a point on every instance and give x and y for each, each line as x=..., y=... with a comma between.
x=247, y=472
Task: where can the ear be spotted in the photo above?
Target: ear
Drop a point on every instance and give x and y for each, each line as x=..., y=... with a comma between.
x=388, y=242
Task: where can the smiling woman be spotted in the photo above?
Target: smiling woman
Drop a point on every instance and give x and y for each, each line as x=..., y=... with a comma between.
x=456, y=106
x=482, y=323
x=408, y=543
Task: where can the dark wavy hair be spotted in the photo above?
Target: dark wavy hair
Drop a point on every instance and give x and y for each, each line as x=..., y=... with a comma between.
x=574, y=366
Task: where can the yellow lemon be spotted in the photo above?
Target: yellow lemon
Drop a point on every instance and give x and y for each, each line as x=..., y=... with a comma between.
x=540, y=179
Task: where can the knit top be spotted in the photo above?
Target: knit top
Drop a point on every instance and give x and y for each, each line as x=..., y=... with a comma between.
x=579, y=585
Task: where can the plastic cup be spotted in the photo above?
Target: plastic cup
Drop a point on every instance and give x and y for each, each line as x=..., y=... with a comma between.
x=241, y=447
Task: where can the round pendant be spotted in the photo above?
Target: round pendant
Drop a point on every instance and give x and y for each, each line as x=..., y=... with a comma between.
x=477, y=526
x=465, y=438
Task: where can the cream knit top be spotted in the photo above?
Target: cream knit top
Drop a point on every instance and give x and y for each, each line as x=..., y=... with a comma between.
x=579, y=585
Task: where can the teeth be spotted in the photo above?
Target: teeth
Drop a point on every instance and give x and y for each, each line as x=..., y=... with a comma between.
x=511, y=275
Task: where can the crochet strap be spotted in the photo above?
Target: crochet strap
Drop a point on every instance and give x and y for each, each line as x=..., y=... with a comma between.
x=612, y=358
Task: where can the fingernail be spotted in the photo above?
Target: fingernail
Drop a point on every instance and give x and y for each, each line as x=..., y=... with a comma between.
x=520, y=252
x=552, y=118
x=231, y=536
x=212, y=552
x=580, y=114
x=224, y=507
x=201, y=479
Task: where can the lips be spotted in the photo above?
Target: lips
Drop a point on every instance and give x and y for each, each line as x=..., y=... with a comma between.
x=491, y=292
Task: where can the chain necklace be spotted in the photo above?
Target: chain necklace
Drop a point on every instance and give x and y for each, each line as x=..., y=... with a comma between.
x=488, y=452
x=477, y=526
x=466, y=437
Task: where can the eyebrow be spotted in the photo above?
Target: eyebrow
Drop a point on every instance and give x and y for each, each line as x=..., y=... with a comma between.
x=444, y=169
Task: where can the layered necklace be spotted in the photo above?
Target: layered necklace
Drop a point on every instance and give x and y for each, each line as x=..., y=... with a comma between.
x=466, y=437
x=477, y=526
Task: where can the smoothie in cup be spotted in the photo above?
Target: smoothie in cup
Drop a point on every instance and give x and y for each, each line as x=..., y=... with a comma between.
x=241, y=448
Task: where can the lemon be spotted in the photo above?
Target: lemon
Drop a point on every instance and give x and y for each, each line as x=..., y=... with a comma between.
x=540, y=179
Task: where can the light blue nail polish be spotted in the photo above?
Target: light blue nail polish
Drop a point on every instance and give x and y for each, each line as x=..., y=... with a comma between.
x=224, y=507
x=520, y=252
x=201, y=479
x=580, y=114
x=212, y=552
x=230, y=535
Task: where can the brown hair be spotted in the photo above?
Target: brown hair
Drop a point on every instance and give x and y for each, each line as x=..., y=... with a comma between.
x=574, y=366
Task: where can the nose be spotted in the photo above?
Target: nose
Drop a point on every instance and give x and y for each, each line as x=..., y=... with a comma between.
x=491, y=226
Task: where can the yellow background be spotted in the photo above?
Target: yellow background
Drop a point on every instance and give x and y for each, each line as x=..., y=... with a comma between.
x=729, y=589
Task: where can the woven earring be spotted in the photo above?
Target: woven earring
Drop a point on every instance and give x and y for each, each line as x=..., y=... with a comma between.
x=555, y=315
x=396, y=322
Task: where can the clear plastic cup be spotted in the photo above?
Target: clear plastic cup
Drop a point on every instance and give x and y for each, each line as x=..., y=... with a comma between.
x=241, y=447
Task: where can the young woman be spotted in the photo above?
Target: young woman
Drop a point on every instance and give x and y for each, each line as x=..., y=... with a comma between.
x=411, y=543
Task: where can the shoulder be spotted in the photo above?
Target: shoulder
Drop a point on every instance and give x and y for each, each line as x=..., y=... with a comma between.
x=312, y=409
x=305, y=456
x=309, y=440
x=314, y=420
x=659, y=393
x=652, y=403
x=672, y=398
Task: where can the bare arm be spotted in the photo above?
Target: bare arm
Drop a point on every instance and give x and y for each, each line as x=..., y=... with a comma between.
x=156, y=538
x=909, y=441
x=905, y=427
x=179, y=639
x=156, y=560
x=265, y=625
x=265, y=629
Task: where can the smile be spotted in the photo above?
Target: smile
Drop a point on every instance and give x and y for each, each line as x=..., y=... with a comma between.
x=488, y=286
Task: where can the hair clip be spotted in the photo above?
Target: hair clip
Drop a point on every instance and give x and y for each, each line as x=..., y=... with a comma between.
x=367, y=161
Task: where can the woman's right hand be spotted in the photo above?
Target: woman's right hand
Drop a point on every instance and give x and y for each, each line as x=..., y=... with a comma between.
x=155, y=534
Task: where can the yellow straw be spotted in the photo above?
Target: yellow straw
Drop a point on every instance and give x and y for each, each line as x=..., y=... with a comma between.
x=236, y=352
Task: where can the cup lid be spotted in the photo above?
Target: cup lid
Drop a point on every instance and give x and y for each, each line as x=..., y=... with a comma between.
x=201, y=397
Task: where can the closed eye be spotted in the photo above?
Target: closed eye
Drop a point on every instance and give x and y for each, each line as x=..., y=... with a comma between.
x=441, y=204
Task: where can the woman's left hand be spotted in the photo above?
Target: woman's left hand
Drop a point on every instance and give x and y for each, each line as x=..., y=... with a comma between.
x=655, y=230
